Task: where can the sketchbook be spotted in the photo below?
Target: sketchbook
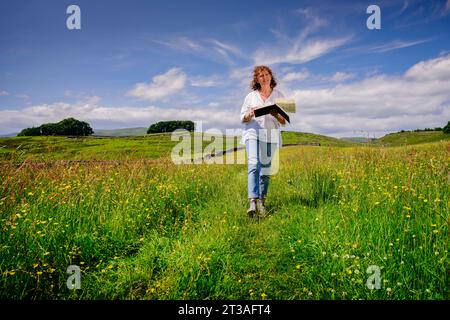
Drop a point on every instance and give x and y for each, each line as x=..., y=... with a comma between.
x=281, y=107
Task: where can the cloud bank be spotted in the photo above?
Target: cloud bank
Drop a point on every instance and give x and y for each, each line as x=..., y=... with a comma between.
x=378, y=104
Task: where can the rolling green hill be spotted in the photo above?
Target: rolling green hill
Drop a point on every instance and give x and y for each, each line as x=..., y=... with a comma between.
x=9, y=135
x=410, y=137
x=150, y=146
x=304, y=138
x=357, y=139
x=125, y=132
x=154, y=146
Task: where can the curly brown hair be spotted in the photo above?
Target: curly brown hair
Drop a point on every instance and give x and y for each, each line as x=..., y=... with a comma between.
x=254, y=84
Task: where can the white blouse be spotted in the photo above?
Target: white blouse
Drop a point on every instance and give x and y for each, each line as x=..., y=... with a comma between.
x=265, y=128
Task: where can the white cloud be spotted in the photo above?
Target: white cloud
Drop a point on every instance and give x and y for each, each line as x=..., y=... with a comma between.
x=162, y=86
x=396, y=44
x=296, y=76
x=242, y=76
x=341, y=76
x=181, y=43
x=419, y=98
x=313, y=22
x=226, y=51
x=435, y=69
x=343, y=126
x=22, y=96
x=206, y=81
x=213, y=49
x=404, y=7
x=379, y=104
x=304, y=74
x=301, y=48
x=15, y=120
x=4, y=93
x=98, y=116
x=226, y=47
x=298, y=52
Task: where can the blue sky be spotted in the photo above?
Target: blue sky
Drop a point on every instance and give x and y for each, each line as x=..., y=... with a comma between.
x=137, y=62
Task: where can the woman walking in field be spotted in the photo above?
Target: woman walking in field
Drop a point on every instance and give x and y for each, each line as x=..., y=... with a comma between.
x=261, y=136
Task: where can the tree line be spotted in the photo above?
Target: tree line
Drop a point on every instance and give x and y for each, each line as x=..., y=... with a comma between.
x=74, y=127
x=445, y=129
x=66, y=127
x=170, y=126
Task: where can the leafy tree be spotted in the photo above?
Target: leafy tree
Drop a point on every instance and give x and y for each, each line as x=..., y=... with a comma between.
x=66, y=127
x=170, y=126
x=50, y=129
x=34, y=131
x=446, y=129
x=73, y=127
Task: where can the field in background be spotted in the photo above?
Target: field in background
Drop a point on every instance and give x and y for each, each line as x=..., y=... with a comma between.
x=126, y=132
x=409, y=138
x=165, y=231
x=152, y=146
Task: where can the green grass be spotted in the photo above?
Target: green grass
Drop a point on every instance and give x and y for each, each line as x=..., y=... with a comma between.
x=165, y=231
x=126, y=132
x=290, y=137
x=152, y=146
x=410, y=137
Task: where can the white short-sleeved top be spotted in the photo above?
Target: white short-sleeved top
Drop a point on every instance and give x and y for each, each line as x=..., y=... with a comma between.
x=265, y=128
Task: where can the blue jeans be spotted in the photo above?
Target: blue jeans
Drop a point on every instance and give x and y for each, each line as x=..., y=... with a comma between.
x=259, y=158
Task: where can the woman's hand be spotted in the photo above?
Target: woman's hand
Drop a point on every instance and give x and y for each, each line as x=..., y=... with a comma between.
x=278, y=117
x=249, y=115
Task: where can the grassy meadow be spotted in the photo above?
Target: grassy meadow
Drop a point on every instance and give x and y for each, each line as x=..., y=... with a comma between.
x=142, y=227
x=411, y=137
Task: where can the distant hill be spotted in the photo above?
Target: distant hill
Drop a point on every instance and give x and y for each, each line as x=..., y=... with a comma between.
x=358, y=139
x=411, y=137
x=153, y=146
x=305, y=138
x=8, y=135
x=389, y=140
x=289, y=137
x=126, y=132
